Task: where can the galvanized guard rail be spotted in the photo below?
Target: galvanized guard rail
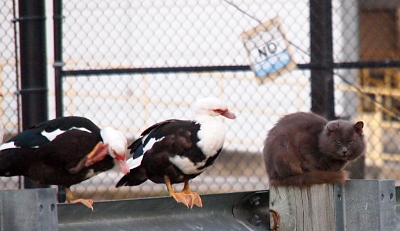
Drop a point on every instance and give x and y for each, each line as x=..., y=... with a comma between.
x=36, y=209
x=225, y=211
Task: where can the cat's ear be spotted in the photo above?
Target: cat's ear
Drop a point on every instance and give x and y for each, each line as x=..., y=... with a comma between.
x=359, y=126
x=333, y=125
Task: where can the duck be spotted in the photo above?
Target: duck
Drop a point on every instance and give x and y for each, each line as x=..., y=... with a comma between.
x=176, y=151
x=64, y=151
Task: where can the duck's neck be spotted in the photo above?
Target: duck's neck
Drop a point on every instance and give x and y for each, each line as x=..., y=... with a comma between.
x=211, y=134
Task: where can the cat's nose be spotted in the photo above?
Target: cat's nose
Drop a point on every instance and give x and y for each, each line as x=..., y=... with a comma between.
x=344, y=151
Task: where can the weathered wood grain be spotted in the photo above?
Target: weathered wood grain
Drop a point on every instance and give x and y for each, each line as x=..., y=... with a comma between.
x=304, y=209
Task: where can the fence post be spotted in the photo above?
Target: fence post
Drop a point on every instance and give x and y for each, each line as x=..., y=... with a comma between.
x=33, y=65
x=357, y=205
x=58, y=65
x=322, y=97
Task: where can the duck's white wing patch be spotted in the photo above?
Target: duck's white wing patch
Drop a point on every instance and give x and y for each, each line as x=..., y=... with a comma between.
x=49, y=135
x=8, y=146
x=52, y=135
x=82, y=129
x=134, y=163
x=150, y=143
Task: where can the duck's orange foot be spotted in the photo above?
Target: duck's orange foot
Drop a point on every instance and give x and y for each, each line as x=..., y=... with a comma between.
x=87, y=202
x=188, y=198
x=71, y=199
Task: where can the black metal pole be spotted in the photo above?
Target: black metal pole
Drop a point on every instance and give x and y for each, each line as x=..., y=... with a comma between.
x=58, y=61
x=322, y=90
x=33, y=61
x=58, y=64
x=322, y=94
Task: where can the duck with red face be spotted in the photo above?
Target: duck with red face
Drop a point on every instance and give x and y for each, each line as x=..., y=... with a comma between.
x=176, y=151
x=64, y=151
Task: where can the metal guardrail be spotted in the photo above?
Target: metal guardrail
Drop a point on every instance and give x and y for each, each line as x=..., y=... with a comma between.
x=36, y=209
x=28, y=210
x=224, y=211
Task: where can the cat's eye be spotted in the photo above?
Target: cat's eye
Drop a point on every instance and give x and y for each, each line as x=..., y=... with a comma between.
x=351, y=142
x=338, y=141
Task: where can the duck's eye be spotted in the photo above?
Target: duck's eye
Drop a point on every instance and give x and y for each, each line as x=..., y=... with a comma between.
x=220, y=111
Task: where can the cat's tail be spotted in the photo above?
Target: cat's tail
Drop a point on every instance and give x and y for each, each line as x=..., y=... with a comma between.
x=311, y=178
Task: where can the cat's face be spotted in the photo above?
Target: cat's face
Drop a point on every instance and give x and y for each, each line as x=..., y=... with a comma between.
x=342, y=140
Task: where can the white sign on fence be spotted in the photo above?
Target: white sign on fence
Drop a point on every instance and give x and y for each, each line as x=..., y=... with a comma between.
x=268, y=50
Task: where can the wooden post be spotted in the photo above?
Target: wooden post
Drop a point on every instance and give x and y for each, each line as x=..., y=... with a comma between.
x=356, y=205
x=304, y=209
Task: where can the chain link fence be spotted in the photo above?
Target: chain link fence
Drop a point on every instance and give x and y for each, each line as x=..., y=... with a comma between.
x=9, y=86
x=129, y=64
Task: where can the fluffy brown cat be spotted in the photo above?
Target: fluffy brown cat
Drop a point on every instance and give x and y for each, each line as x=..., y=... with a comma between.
x=304, y=149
